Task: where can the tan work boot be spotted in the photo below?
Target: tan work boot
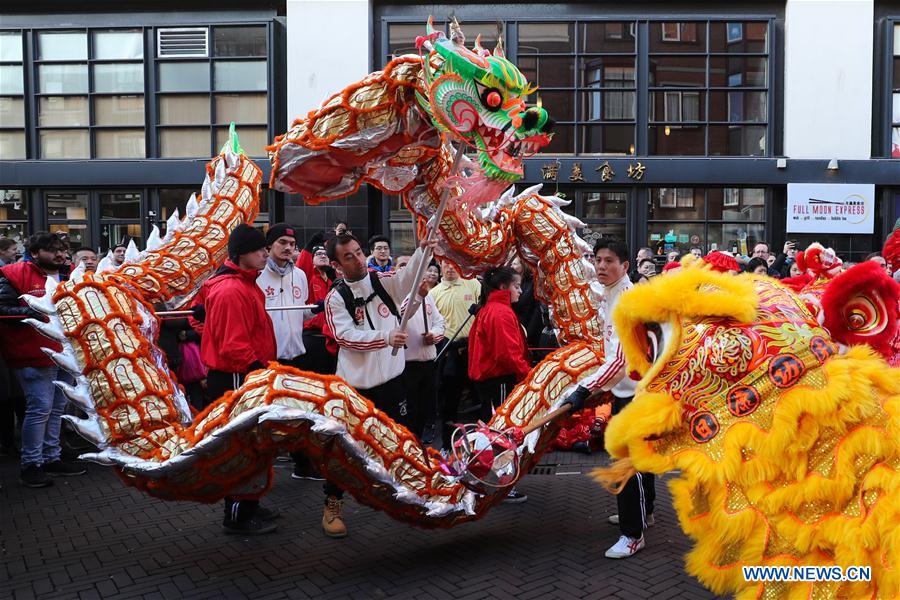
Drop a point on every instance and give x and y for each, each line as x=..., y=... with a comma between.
x=332, y=523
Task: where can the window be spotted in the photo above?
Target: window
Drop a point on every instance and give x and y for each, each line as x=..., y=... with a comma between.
x=57, y=85
x=67, y=212
x=604, y=212
x=401, y=227
x=14, y=217
x=120, y=218
x=198, y=99
x=586, y=74
x=708, y=88
x=895, y=96
x=12, y=97
x=90, y=94
x=731, y=219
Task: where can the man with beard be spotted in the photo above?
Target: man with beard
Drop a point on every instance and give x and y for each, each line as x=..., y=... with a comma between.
x=362, y=314
x=21, y=346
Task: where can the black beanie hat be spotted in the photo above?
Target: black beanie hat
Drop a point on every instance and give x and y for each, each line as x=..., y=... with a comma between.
x=244, y=240
x=280, y=229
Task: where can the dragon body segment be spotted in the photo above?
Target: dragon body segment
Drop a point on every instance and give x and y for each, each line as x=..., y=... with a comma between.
x=375, y=132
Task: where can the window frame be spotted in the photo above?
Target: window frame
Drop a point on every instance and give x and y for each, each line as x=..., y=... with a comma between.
x=26, y=82
x=891, y=54
x=211, y=59
x=90, y=61
x=579, y=88
x=150, y=126
x=706, y=222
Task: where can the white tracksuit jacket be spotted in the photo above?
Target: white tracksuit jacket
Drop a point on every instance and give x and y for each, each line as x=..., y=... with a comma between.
x=290, y=290
x=364, y=358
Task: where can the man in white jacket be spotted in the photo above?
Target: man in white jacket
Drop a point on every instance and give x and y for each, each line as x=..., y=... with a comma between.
x=362, y=314
x=635, y=502
x=284, y=285
x=366, y=325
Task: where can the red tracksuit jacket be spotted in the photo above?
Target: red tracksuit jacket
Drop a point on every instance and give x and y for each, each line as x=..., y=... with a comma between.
x=237, y=331
x=21, y=343
x=497, y=344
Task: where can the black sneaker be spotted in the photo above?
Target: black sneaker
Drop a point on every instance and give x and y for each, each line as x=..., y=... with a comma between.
x=254, y=526
x=59, y=468
x=267, y=514
x=34, y=477
x=515, y=497
x=305, y=470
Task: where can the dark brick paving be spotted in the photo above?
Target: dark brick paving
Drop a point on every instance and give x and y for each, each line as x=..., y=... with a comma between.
x=91, y=537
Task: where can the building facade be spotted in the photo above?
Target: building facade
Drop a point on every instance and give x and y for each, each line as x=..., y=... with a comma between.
x=109, y=115
x=677, y=125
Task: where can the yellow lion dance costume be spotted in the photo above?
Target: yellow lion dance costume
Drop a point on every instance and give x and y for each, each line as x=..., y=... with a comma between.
x=788, y=449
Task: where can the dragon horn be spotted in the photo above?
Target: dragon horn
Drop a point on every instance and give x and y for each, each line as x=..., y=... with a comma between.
x=479, y=49
x=498, y=49
x=456, y=33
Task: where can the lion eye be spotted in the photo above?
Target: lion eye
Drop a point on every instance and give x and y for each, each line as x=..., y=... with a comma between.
x=653, y=341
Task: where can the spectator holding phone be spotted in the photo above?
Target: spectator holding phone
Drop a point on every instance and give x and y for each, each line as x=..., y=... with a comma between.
x=781, y=268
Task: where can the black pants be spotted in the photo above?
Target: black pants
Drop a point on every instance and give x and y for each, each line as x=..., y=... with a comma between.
x=302, y=464
x=217, y=383
x=195, y=395
x=12, y=407
x=390, y=398
x=635, y=501
x=453, y=380
x=492, y=392
x=317, y=358
x=421, y=393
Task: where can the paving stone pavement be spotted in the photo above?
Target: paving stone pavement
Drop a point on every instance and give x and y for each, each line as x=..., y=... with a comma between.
x=92, y=537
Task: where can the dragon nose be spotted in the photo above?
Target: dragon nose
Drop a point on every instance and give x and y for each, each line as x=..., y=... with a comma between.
x=530, y=119
x=548, y=125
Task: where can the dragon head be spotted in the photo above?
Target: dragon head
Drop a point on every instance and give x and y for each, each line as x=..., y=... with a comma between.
x=721, y=355
x=478, y=97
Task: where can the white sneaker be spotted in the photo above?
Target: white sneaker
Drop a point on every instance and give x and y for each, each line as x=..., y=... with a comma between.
x=625, y=547
x=614, y=519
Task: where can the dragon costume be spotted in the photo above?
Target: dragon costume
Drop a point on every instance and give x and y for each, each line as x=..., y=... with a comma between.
x=788, y=450
x=393, y=130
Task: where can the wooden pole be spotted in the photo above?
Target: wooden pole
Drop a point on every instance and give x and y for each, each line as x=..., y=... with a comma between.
x=412, y=306
x=562, y=410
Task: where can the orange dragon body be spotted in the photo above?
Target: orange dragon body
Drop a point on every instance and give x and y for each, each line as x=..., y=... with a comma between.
x=377, y=132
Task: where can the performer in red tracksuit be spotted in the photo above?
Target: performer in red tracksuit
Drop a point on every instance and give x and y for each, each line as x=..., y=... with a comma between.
x=238, y=338
x=498, y=351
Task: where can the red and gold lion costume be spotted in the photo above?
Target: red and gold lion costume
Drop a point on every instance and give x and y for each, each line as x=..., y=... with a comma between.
x=786, y=434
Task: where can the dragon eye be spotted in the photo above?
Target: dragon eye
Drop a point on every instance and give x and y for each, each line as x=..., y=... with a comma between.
x=491, y=98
